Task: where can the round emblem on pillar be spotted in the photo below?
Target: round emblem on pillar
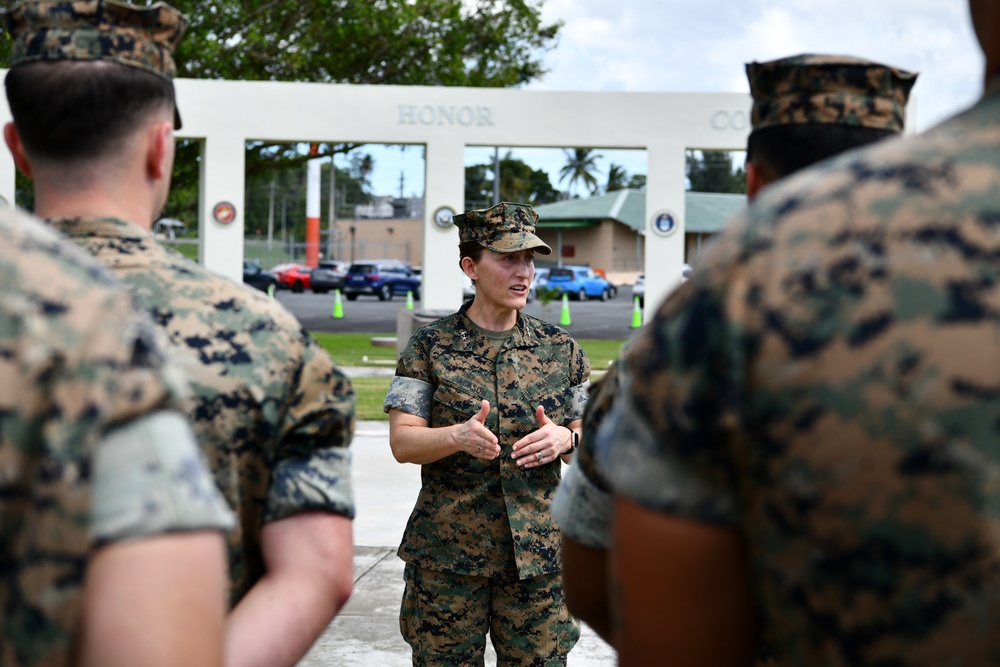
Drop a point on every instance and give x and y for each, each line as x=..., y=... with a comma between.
x=443, y=216
x=224, y=213
x=664, y=223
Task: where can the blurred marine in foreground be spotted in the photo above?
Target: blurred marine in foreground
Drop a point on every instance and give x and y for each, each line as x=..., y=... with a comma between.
x=806, y=453
x=109, y=518
x=806, y=108
x=92, y=97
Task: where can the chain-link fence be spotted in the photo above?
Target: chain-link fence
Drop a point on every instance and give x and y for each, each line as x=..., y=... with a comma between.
x=276, y=252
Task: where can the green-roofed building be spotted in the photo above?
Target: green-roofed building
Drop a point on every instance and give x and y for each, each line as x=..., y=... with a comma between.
x=608, y=231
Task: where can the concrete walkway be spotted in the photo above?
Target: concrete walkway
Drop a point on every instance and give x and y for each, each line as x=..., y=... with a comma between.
x=366, y=633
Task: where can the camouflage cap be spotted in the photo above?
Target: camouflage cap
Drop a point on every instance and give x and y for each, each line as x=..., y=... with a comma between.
x=505, y=227
x=836, y=90
x=51, y=30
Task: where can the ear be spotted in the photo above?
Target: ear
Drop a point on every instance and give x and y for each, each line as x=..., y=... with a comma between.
x=756, y=180
x=470, y=268
x=13, y=139
x=159, y=150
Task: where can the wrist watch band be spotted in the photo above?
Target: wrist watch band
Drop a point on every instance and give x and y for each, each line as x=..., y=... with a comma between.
x=576, y=442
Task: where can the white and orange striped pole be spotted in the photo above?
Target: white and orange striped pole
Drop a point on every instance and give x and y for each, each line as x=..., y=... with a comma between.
x=312, y=208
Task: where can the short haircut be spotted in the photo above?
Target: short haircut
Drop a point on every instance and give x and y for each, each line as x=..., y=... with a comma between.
x=782, y=150
x=471, y=249
x=78, y=111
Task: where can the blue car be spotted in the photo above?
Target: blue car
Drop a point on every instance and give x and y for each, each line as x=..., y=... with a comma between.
x=580, y=283
x=381, y=278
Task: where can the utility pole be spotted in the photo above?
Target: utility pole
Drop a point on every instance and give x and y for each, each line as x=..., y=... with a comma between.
x=496, y=175
x=270, y=217
x=332, y=216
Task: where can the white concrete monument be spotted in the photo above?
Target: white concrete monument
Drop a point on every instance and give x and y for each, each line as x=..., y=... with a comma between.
x=224, y=115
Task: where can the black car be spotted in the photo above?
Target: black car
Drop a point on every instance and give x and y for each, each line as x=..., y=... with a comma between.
x=257, y=277
x=382, y=279
x=328, y=276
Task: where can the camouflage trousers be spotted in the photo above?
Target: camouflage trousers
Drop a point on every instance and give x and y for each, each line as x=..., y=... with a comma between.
x=444, y=618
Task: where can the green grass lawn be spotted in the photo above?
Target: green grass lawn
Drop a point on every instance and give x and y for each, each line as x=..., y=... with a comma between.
x=355, y=349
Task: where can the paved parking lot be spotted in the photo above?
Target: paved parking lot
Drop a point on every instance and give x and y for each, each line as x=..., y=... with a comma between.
x=590, y=319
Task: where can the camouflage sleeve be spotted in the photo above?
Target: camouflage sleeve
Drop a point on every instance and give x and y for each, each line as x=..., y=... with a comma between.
x=579, y=374
x=410, y=395
x=322, y=482
x=667, y=441
x=599, y=402
x=150, y=478
x=412, y=389
x=415, y=361
x=582, y=510
x=311, y=469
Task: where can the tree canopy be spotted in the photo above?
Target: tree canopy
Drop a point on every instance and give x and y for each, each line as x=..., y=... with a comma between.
x=617, y=178
x=483, y=43
x=712, y=171
x=581, y=165
x=518, y=182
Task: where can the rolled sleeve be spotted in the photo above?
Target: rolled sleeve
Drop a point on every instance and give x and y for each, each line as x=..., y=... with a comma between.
x=411, y=396
x=577, y=400
x=643, y=468
x=150, y=478
x=320, y=483
x=582, y=510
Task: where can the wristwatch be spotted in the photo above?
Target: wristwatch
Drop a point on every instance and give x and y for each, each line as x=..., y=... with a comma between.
x=576, y=442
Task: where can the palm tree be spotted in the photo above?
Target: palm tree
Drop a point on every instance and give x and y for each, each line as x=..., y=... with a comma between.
x=616, y=177
x=580, y=166
x=362, y=165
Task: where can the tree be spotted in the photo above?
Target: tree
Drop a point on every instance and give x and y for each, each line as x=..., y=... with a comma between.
x=580, y=166
x=616, y=177
x=636, y=182
x=712, y=171
x=362, y=166
x=518, y=183
x=288, y=185
x=482, y=43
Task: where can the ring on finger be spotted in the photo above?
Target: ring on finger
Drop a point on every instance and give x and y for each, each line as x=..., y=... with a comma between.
x=540, y=456
x=480, y=448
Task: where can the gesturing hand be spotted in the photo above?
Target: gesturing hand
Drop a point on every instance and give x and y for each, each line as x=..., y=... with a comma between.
x=474, y=438
x=543, y=445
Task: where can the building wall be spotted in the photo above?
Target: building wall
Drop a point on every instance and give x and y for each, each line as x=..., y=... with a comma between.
x=625, y=244
x=381, y=238
x=695, y=244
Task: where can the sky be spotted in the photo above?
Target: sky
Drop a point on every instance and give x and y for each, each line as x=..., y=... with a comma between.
x=702, y=46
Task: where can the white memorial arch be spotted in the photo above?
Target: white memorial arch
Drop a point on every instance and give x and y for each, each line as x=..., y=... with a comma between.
x=225, y=115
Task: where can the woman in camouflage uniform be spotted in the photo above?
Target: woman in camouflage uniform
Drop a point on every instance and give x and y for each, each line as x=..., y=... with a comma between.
x=488, y=401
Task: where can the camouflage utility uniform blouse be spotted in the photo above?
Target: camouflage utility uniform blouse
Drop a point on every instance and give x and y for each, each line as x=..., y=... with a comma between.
x=271, y=412
x=93, y=446
x=477, y=517
x=828, y=385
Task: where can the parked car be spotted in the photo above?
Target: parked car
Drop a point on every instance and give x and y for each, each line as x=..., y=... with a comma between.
x=540, y=276
x=468, y=288
x=639, y=288
x=614, y=288
x=579, y=282
x=257, y=277
x=380, y=278
x=328, y=276
x=297, y=278
x=277, y=270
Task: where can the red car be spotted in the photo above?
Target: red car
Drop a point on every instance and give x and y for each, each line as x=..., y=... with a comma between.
x=297, y=278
